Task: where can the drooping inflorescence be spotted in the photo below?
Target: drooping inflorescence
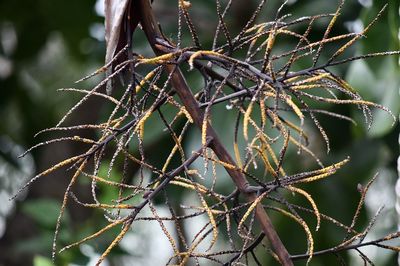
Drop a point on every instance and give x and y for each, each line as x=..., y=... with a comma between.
x=271, y=100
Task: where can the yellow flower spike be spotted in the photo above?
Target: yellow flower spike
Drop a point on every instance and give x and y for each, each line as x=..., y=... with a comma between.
x=289, y=102
x=203, y=190
x=312, y=202
x=111, y=183
x=254, y=40
x=292, y=33
x=264, y=157
x=64, y=205
x=290, y=80
x=246, y=119
x=204, y=131
x=342, y=83
x=224, y=164
x=237, y=154
x=172, y=153
x=262, y=112
x=268, y=49
x=145, y=79
x=358, y=36
x=192, y=172
x=250, y=209
x=115, y=242
x=271, y=41
x=201, y=53
x=183, y=110
x=185, y=4
x=98, y=233
x=324, y=172
x=306, y=87
x=273, y=254
x=157, y=60
x=296, y=128
x=303, y=224
x=46, y=172
x=212, y=221
x=141, y=131
x=139, y=125
x=295, y=109
x=312, y=79
x=186, y=185
x=258, y=27
x=273, y=156
x=328, y=30
x=360, y=102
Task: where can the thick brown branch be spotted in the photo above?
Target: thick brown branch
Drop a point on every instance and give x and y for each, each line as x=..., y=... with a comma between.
x=150, y=27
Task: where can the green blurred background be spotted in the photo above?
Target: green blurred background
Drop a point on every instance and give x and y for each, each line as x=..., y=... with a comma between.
x=47, y=45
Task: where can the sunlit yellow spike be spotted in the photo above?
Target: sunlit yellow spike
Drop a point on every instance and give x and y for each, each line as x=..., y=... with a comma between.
x=192, y=172
x=273, y=156
x=306, y=87
x=262, y=112
x=111, y=183
x=325, y=172
x=224, y=164
x=264, y=157
x=237, y=155
x=183, y=110
x=258, y=27
x=98, y=233
x=64, y=204
x=246, y=119
x=251, y=208
x=146, y=79
x=139, y=125
x=295, y=108
x=202, y=53
x=296, y=128
x=124, y=230
x=312, y=79
x=212, y=221
x=292, y=33
x=186, y=185
x=342, y=83
x=312, y=202
x=185, y=4
x=204, y=131
x=307, y=230
x=358, y=36
x=158, y=59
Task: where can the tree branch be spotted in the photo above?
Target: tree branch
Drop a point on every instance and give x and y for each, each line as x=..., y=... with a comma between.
x=153, y=34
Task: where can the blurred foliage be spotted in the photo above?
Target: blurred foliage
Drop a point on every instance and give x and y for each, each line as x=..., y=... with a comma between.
x=46, y=45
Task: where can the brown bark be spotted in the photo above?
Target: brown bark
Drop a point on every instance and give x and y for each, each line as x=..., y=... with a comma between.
x=150, y=27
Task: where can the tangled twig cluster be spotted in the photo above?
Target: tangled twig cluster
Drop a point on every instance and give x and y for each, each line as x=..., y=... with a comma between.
x=265, y=92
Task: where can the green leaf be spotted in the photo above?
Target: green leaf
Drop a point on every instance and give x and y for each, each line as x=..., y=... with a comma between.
x=388, y=89
x=42, y=261
x=381, y=88
x=43, y=211
x=362, y=79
